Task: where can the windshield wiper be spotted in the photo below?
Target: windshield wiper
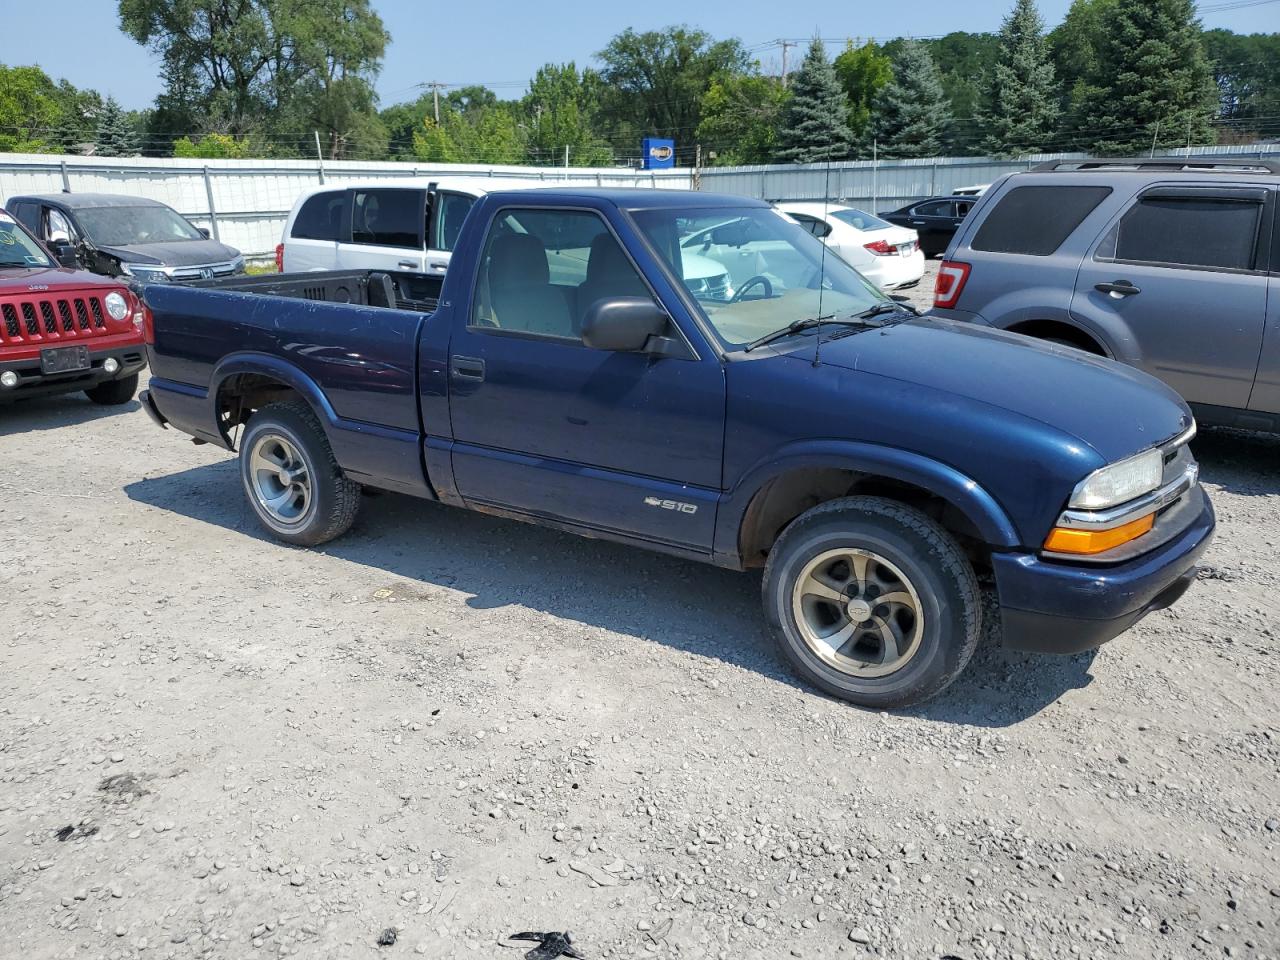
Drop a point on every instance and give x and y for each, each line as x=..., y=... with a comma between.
x=886, y=306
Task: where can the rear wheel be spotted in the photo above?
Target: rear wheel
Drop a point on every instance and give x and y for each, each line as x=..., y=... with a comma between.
x=291, y=479
x=872, y=601
x=112, y=393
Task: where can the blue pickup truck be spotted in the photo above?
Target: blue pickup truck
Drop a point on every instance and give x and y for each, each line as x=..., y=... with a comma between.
x=876, y=464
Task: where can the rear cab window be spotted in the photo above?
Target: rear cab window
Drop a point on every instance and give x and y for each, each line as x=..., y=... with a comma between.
x=1036, y=220
x=322, y=217
x=1190, y=228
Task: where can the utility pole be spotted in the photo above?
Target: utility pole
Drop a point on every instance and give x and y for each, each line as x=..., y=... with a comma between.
x=786, y=45
x=435, y=89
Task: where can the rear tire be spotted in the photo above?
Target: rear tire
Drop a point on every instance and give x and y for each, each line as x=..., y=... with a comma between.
x=112, y=393
x=291, y=479
x=872, y=601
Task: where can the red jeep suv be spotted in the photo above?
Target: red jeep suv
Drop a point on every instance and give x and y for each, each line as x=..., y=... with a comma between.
x=62, y=329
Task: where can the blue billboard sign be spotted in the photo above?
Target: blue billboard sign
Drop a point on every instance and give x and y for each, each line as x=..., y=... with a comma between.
x=658, y=154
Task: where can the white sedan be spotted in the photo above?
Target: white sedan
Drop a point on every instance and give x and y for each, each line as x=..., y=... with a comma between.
x=887, y=255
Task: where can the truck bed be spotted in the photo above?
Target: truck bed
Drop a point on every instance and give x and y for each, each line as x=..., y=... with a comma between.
x=401, y=289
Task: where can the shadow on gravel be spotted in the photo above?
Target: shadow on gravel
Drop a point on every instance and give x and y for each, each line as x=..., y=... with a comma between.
x=50, y=413
x=693, y=607
x=1239, y=461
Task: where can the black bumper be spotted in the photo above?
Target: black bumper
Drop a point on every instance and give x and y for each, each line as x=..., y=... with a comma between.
x=33, y=383
x=1052, y=607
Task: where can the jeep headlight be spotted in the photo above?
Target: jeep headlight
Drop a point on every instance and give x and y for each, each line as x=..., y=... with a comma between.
x=1119, y=482
x=116, y=305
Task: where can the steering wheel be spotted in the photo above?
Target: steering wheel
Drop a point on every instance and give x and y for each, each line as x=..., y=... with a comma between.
x=759, y=280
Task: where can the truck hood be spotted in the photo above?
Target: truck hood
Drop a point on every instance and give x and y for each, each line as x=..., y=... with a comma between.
x=179, y=253
x=1113, y=408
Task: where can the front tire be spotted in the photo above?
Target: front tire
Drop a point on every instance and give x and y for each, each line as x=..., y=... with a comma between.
x=112, y=393
x=291, y=479
x=872, y=601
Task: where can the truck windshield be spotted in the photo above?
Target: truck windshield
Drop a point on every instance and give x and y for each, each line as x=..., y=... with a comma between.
x=123, y=226
x=17, y=249
x=778, y=274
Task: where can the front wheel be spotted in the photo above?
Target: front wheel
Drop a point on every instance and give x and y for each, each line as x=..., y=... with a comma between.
x=112, y=393
x=872, y=601
x=291, y=479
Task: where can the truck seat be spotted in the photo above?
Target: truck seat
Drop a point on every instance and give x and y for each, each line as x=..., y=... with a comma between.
x=520, y=288
x=609, y=274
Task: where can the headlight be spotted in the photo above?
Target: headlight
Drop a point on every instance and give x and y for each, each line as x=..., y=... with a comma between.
x=145, y=274
x=237, y=265
x=1119, y=482
x=116, y=305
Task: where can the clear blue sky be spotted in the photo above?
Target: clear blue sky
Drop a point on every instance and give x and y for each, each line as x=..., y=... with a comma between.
x=502, y=42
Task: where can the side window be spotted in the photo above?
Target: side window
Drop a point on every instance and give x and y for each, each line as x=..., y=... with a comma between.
x=451, y=211
x=812, y=224
x=321, y=217
x=963, y=207
x=542, y=269
x=1036, y=221
x=1190, y=231
x=57, y=228
x=934, y=208
x=28, y=214
x=387, y=218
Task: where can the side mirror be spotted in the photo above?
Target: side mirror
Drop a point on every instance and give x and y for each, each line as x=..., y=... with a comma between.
x=204, y=232
x=623, y=324
x=65, y=253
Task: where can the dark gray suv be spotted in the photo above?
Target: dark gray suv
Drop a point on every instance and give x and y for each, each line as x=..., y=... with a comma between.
x=1169, y=264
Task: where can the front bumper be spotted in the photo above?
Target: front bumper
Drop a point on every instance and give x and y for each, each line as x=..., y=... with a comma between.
x=33, y=383
x=1051, y=606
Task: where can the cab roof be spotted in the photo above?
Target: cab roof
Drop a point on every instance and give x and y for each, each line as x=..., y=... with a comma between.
x=643, y=198
x=84, y=201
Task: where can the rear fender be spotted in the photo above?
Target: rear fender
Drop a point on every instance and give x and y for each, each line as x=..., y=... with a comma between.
x=369, y=453
x=960, y=491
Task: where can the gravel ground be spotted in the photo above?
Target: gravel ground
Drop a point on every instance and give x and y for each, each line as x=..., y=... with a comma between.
x=453, y=727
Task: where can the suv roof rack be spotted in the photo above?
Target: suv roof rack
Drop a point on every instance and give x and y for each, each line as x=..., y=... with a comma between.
x=1166, y=164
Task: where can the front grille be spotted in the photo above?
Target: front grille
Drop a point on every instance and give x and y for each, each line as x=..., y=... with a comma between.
x=43, y=319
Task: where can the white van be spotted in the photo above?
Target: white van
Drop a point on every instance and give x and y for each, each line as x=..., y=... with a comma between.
x=401, y=224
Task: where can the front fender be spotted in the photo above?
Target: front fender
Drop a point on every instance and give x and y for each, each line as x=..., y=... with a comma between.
x=957, y=489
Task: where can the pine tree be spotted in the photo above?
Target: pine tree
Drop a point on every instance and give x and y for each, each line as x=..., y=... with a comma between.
x=1022, y=101
x=1153, y=85
x=910, y=113
x=815, y=126
x=116, y=135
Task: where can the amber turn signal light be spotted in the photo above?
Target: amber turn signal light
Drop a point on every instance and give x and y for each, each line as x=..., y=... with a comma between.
x=1087, y=542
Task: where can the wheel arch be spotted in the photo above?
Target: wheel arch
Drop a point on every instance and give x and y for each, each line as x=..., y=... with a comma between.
x=772, y=495
x=256, y=379
x=1076, y=335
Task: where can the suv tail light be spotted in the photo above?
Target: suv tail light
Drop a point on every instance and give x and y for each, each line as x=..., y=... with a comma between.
x=952, y=276
x=279, y=258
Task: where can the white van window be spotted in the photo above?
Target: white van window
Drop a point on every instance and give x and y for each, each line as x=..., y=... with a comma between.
x=451, y=211
x=387, y=218
x=321, y=217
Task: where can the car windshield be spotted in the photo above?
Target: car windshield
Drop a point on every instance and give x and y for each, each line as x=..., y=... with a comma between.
x=861, y=220
x=777, y=271
x=122, y=226
x=17, y=248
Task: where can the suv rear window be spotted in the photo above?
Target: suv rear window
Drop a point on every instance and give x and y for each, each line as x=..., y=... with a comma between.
x=321, y=217
x=1190, y=232
x=1036, y=220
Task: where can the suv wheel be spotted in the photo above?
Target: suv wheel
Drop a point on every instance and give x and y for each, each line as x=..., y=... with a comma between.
x=291, y=479
x=112, y=393
x=872, y=601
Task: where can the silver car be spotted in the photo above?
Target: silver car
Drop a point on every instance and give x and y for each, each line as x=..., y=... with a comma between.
x=1169, y=264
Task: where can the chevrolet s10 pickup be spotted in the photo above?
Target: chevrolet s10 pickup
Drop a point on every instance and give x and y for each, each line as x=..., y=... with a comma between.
x=875, y=463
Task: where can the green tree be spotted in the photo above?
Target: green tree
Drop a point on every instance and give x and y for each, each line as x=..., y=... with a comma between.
x=965, y=62
x=559, y=111
x=910, y=114
x=280, y=68
x=1021, y=111
x=1246, y=69
x=30, y=115
x=116, y=136
x=212, y=146
x=863, y=72
x=1153, y=85
x=815, y=125
x=654, y=81
x=741, y=115
x=484, y=134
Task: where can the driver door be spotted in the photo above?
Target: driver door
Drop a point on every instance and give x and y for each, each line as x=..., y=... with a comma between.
x=621, y=442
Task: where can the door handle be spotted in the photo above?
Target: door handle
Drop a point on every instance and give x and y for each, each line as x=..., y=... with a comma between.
x=407, y=264
x=466, y=368
x=1119, y=289
x=439, y=265
x=917, y=223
